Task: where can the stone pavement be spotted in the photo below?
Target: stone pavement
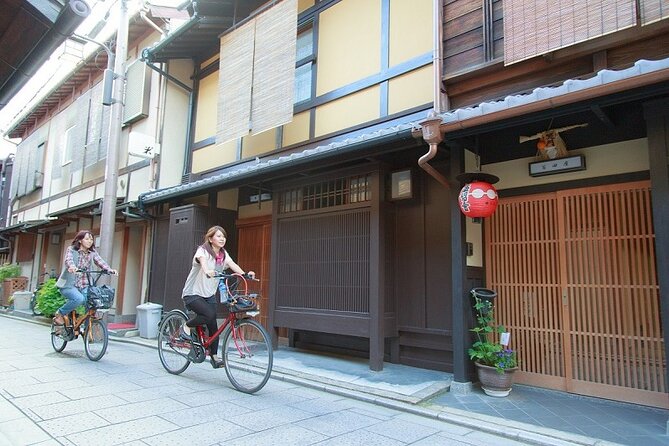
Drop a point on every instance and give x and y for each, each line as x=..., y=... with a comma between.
x=414, y=392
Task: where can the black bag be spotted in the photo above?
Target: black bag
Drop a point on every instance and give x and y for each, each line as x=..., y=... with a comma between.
x=243, y=303
x=101, y=297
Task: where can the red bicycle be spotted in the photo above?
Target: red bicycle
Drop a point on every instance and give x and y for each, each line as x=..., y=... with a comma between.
x=247, y=349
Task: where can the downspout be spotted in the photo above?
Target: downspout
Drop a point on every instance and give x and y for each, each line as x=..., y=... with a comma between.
x=431, y=125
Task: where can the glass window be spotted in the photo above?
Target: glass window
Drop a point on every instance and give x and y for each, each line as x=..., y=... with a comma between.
x=304, y=64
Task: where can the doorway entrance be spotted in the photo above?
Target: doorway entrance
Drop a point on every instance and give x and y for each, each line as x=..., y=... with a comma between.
x=575, y=274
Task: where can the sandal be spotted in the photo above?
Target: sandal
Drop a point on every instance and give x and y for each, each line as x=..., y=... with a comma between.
x=58, y=319
x=216, y=362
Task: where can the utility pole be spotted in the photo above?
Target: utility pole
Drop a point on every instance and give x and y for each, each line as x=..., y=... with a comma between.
x=108, y=218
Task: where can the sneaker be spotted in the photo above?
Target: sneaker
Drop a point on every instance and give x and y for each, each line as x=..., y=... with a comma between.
x=185, y=336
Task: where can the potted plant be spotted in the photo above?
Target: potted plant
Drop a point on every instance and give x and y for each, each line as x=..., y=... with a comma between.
x=495, y=362
x=11, y=280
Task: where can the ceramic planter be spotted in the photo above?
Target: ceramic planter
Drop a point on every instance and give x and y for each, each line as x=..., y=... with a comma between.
x=494, y=383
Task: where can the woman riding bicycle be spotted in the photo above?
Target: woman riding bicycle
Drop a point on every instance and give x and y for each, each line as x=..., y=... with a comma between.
x=80, y=255
x=199, y=293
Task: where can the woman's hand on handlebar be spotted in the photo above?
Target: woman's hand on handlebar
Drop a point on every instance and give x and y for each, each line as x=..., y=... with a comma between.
x=112, y=272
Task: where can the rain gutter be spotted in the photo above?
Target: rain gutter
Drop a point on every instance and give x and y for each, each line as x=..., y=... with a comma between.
x=430, y=127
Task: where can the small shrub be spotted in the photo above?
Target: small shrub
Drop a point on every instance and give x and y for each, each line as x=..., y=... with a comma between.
x=9, y=270
x=49, y=299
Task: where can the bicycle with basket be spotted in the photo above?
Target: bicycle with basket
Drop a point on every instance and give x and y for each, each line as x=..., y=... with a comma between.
x=89, y=324
x=246, y=347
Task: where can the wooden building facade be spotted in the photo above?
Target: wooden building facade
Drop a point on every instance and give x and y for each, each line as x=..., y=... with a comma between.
x=362, y=251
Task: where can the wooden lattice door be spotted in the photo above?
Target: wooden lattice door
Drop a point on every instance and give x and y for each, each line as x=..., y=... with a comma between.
x=575, y=274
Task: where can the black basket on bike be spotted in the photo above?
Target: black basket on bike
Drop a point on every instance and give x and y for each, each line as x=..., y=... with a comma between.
x=240, y=303
x=101, y=297
x=236, y=295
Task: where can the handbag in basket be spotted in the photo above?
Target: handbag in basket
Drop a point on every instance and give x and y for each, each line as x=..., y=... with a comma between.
x=101, y=297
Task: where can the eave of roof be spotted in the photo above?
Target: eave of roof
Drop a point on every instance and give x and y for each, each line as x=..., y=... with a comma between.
x=604, y=82
x=56, y=32
x=198, y=38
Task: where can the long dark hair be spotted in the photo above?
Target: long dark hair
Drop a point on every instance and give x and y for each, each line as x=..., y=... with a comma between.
x=76, y=243
x=210, y=233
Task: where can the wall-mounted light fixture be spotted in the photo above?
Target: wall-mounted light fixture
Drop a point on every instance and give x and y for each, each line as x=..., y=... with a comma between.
x=401, y=185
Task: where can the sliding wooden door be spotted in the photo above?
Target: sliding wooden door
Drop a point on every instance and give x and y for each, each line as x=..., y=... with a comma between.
x=575, y=274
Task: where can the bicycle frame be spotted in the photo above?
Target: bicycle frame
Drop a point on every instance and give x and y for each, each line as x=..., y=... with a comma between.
x=229, y=320
x=76, y=322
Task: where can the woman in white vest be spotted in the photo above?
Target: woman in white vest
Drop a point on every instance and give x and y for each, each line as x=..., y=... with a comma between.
x=80, y=255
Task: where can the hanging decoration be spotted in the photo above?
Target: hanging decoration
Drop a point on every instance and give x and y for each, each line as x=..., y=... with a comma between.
x=478, y=197
x=550, y=144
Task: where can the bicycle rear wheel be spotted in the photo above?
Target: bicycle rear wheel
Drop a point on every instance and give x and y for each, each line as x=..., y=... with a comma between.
x=57, y=337
x=248, y=355
x=95, y=339
x=173, y=350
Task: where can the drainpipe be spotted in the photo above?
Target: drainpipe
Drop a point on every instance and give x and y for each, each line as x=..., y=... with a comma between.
x=431, y=125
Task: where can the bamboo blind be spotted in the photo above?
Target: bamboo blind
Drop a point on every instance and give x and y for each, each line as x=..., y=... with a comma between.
x=653, y=11
x=535, y=27
x=235, y=79
x=575, y=275
x=257, y=73
x=274, y=67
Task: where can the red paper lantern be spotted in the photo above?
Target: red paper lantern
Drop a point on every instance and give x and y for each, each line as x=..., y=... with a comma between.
x=478, y=199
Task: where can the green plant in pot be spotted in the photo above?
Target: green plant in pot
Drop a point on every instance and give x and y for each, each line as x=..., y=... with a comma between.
x=49, y=299
x=495, y=362
x=9, y=270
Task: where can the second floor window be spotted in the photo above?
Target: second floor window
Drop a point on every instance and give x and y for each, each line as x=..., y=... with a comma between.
x=67, y=146
x=304, y=65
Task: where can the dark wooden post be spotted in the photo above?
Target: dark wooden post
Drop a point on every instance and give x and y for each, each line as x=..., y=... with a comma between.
x=657, y=128
x=459, y=272
x=377, y=274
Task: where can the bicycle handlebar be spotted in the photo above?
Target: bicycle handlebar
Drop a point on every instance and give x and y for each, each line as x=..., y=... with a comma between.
x=220, y=275
x=86, y=271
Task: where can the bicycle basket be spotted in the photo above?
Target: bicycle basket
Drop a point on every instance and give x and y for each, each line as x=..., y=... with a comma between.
x=243, y=303
x=101, y=297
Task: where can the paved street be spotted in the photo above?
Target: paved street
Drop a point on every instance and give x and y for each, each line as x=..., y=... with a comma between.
x=50, y=398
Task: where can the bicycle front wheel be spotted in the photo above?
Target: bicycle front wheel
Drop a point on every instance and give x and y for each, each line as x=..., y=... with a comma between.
x=57, y=337
x=248, y=355
x=33, y=306
x=173, y=350
x=95, y=339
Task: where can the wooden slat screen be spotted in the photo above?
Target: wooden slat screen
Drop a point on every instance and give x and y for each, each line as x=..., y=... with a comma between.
x=615, y=336
x=323, y=261
x=523, y=268
x=535, y=27
x=653, y=10
x=578, y=290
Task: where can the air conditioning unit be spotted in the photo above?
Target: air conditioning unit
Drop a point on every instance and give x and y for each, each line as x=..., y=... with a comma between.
x=137, y=90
